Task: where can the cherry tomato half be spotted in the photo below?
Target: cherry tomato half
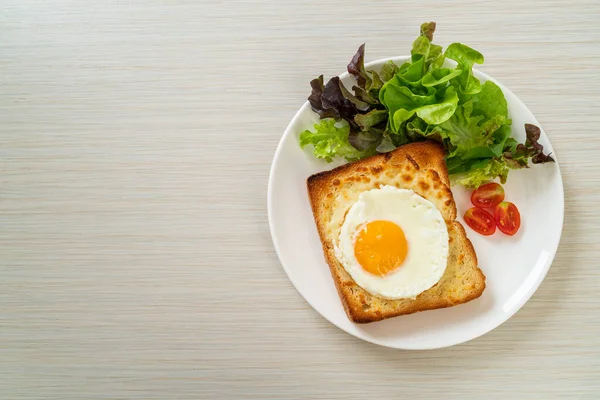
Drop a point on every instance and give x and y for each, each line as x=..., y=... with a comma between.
x=488, y=195
x=507, y=218
x=480, y=221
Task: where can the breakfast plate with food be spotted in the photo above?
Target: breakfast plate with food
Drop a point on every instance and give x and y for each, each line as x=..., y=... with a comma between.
x=415, y=202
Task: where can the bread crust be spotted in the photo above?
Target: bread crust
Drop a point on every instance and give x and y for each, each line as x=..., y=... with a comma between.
x=417, y=166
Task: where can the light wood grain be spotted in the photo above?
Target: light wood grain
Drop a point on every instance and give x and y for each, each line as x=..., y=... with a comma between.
x=135, y=143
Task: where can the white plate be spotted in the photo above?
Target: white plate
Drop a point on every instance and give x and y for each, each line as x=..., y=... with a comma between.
x=514, y=266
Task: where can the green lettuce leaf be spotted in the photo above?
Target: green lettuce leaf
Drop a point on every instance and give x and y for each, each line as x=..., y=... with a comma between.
x=397, y=97
x=482, y=172
x=490, y=101
x=417, y=129
x=463, y=130
x=410, y=77
x=434, y=107
x=465, y=57
x=402, y=103
x=388, y=70
x=330, y=139
x=440, y=76
x=424, y=49
x=370, y=119
x=474, y=136
x=439, y=112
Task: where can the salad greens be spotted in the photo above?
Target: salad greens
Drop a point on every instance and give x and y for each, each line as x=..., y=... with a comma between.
x=330, y=139
x=422, y=99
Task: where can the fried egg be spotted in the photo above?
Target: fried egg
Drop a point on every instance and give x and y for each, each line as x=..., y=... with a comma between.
x=393, y=243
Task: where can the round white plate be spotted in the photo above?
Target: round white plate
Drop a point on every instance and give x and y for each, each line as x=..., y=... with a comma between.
x=514, y=266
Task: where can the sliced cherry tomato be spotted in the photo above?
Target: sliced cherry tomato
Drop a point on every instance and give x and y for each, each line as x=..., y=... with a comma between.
x=507, y=218
x=488, y=195
x=480, y=221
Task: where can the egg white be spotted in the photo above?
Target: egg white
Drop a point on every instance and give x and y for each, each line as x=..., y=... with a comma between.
x=425, y=232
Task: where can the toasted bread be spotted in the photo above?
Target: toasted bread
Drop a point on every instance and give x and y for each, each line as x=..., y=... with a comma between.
x=421, y=168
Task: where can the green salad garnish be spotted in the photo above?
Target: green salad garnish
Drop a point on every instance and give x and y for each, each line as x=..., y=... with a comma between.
x=422, y=99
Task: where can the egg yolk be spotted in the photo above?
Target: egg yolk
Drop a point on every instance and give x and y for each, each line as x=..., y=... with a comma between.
x=380, y=247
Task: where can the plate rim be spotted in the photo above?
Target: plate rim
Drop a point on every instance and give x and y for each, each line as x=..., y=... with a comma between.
x=486, y=329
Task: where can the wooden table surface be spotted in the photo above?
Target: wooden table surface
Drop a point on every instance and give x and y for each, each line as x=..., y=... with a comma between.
x=135, y=144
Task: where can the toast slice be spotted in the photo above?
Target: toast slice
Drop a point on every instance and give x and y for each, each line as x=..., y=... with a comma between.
x=421, y=168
